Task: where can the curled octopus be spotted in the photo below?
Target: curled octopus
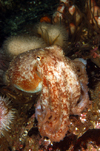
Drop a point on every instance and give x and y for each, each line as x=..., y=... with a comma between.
x=63, y=86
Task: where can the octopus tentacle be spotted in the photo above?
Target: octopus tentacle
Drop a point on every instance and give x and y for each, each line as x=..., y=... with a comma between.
x=81, y=71
x=58, y=106
x=84, y=100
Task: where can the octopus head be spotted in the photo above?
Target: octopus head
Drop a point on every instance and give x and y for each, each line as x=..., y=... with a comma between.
x=23, y=73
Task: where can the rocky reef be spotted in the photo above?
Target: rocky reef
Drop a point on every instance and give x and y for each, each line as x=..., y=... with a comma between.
x=50, y=75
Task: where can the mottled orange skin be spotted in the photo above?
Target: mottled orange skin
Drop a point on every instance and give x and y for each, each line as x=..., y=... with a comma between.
x=60, y=87
x=23, y=75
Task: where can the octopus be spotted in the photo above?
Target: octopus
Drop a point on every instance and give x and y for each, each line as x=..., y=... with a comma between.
x=62, y=84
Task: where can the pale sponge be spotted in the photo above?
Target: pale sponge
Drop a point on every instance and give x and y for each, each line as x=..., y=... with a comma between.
x=15, y=45
x=53, y=34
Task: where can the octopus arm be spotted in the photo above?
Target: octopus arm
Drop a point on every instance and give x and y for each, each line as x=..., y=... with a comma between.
x=54, y=106
x=81, y=71
x=84, y=100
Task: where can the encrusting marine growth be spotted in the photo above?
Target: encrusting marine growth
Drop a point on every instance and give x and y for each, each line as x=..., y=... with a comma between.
x=6, y=115
x=15, y=45
x=47, y=35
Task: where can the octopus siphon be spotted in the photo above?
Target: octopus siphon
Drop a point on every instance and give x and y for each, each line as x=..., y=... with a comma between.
x=61, y=81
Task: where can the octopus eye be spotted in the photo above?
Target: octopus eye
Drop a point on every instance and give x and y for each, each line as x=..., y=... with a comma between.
x=38, y=58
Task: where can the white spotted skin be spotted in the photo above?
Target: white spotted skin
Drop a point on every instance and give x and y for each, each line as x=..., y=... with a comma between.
x=59, y=91
x=60, y=88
